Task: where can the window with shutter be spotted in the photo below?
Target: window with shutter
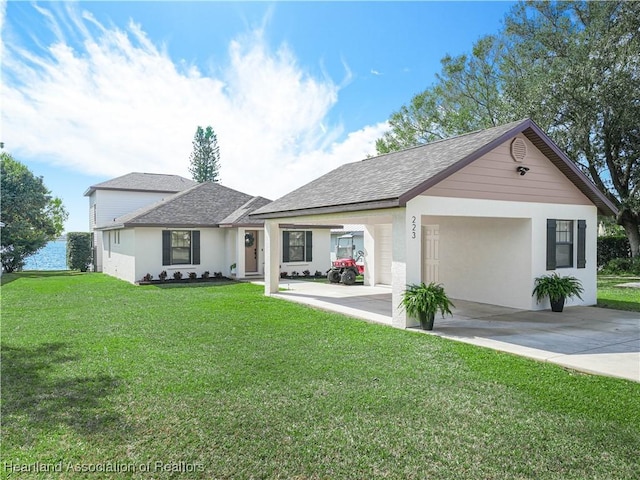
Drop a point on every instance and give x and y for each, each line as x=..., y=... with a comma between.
x=180, y=247
x=297, y=246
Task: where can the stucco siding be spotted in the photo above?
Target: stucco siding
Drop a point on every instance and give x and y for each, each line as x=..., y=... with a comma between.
x=514, y=212
x=494, y=176
x=149, y=253
x=485, y=260
x=119, y=254
x=106, y=205
x=320, y=254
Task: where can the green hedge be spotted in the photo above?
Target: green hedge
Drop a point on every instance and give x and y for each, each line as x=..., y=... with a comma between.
x=622, y=266
x=612, y=247
x=79, y=251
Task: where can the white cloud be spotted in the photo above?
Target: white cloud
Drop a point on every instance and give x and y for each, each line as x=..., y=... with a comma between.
x=118, y=103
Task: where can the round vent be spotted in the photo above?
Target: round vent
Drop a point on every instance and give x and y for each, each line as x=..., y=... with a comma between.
x=518, y=149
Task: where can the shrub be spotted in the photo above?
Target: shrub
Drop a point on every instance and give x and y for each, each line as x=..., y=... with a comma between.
x=622, y=266
x=306, y=273
x=612, y=247
x=206, y=274
x=193, y=275
x=163, y=275
x=318, y=273
x=147, y=278
x=284, y=274
x=79, y=251
x=295, y=274
x=177, y=275
x=217, y=274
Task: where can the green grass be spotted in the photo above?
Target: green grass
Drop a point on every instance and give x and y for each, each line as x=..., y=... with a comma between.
x=228, y=383
x=621, y=298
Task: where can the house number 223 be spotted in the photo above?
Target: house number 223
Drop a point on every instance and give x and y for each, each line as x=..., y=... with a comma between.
x=413, y=226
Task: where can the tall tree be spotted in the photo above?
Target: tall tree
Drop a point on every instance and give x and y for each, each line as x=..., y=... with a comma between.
x=573, y=67
x=205, y=158
x=30, y=215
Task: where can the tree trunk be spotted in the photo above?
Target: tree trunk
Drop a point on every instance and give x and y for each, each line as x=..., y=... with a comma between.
x=631, y=225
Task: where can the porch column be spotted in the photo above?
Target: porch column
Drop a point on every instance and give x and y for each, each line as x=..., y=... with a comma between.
x=369, y=255
x=272, y=247
x=398, y=268
x=414, y=244
x=240, y=267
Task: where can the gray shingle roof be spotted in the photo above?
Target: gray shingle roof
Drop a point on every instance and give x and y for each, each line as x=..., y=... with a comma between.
x=204, y=205
x=144, y=182
x=241, y=216
x=391, y=180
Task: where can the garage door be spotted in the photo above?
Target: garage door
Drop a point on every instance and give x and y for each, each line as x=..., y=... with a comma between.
x=383, y=254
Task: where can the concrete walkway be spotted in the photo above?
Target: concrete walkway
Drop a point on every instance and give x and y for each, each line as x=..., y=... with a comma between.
x=589, y=339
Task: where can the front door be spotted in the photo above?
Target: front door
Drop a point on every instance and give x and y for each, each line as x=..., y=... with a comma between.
x=251, y=251
x=430, y=256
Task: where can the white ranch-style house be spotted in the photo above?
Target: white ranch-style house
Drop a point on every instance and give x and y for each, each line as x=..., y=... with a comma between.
x=148, y=223
x=483, y=213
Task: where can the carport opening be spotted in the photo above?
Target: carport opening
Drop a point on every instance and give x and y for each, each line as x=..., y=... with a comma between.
x=485, y=260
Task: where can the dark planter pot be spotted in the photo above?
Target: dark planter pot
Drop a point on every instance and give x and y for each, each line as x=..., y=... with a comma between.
x=426, y=320
x=557, y=305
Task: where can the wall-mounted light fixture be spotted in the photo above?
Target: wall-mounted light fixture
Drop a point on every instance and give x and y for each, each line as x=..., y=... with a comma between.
x=522, y=170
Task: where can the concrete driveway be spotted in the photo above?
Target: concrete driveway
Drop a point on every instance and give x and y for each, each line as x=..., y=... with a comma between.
x=589, y=339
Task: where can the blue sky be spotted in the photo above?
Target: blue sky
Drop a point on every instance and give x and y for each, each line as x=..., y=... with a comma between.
x=94, y=90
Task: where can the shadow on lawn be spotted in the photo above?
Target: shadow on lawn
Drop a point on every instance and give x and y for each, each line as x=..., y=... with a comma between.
x=12, y=277
x=35, y=397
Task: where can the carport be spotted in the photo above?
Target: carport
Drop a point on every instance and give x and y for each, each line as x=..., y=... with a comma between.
x=483, y=213
x=588, y=339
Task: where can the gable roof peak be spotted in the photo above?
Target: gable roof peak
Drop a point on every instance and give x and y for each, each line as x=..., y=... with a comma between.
x=392, y=179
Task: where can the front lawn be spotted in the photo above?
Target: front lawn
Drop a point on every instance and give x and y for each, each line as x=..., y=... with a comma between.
x=621, y=298
x=218, y=381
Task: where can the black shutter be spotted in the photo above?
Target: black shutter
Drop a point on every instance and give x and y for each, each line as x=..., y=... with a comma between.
x=582, y=243
x=195, y=247
x=309, y=247
x=166, y=247
x=551, y=244
x=285, y=247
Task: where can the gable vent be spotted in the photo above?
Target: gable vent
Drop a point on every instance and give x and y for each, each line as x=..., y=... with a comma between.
x=518, y=149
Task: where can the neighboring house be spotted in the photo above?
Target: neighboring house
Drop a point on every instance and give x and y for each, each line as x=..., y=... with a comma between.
x=203, y=228
x=116, y=197
x=483, y=213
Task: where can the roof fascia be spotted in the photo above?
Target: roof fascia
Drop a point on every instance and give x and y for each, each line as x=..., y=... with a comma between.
x=92, y=189
x=243, y=225
x=166, y=226
x=351, y=207
x=307, y=226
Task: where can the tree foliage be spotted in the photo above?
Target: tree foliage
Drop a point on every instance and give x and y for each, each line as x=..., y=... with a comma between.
x=205, y=158
x=30, y=215
x=573, y=67
x=79, y=250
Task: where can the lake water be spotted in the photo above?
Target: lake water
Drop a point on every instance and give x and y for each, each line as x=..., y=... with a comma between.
x=53, y=256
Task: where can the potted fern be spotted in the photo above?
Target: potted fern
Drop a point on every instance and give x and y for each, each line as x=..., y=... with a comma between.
x=424, y=301
x=558, y=289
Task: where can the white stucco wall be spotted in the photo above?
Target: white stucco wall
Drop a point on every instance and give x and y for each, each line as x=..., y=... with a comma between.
x=118, y=259
x=499, y=262
x=149, y=253
x=321, y=260
x=485, y=260
x=110, y=204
